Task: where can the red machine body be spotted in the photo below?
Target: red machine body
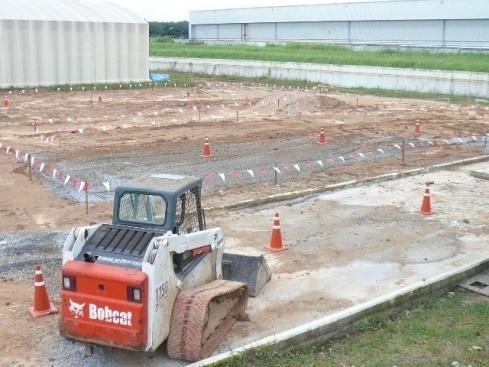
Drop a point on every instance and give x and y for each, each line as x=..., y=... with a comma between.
x=105, y=304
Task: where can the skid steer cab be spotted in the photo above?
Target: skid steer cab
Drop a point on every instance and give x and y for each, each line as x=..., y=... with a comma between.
x=154, y=274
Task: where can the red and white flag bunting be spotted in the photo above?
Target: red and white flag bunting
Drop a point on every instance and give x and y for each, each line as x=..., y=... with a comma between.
x=81, y=185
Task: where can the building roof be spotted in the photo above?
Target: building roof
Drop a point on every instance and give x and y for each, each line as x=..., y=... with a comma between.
x=67, y=10
x=348, y=11
x=162, y=183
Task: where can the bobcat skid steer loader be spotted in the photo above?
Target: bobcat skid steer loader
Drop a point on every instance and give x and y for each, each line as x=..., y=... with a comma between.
x=155, y=274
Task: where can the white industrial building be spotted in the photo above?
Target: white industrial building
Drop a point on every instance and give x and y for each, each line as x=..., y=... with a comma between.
x=57, y=42
x=417, y=23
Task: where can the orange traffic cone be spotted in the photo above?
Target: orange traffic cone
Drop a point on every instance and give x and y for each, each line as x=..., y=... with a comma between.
x=276, y=243
x=206, y=152
x=5, y=102
x=322, y=137
x=42, y=306
x=417, y=129
x=426, y=205
x=99, y=99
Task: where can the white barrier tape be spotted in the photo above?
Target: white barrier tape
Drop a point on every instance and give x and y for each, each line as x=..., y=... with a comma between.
x=223, y=175
x=82, y=186
x=107, y=186
x=397, y=146
x=412, y=145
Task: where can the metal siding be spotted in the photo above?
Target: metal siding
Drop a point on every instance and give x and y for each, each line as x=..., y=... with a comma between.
x=230, y=31
x=301, y=31
x=467, y=33
x=421, y=32
x=205, y=31
x=37, y=53
x=260, y=32
x=360, y=11
x=70, y=11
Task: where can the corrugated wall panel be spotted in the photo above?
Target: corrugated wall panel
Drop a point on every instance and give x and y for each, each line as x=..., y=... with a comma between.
x=8, y=40
x=348, y=11
x=466, y=33
x=422, y=32
x=333, y=31
x=111, y=52
x=36, y=53
x=260, y=31
x=205, y=31
x=230, y=31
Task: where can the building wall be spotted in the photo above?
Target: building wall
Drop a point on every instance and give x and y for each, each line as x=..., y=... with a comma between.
x=42, y=53
x=422, y=33
x=419, y=23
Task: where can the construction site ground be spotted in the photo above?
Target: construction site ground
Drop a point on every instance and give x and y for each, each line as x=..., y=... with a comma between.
x=344, y=248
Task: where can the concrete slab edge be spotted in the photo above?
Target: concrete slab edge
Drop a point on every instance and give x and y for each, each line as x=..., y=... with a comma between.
x=481, y=175
x=340, y=323
x=350, y=184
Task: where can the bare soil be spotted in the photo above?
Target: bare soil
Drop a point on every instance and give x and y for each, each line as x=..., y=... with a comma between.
x=137, y=132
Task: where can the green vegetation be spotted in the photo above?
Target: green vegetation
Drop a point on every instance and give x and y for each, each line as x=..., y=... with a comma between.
x=325, y=54
x=439, y=332
x=168, y=30
x=195, y=78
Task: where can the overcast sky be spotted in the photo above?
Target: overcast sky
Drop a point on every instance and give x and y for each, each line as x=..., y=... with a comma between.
x=178, y=10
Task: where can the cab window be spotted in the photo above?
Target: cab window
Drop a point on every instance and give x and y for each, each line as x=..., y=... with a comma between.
x=142, y=208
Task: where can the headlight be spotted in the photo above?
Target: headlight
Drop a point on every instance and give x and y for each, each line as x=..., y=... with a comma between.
x=69, y=283
x=134, y=294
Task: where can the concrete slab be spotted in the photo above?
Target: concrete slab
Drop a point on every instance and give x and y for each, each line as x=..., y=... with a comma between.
x=350, y=247
x=478, y=283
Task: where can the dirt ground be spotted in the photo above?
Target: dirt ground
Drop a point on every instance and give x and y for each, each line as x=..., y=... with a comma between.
x=137, y=132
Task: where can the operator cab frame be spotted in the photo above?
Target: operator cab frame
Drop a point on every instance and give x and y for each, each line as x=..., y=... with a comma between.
x=138, y=204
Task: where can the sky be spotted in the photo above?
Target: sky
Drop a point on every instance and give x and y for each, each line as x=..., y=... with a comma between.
x=170, y=11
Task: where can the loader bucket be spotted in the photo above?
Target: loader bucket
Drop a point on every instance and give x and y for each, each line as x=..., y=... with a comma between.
x=250, y=269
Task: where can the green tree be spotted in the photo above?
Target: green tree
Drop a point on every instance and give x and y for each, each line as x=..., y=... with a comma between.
x=169, y=29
